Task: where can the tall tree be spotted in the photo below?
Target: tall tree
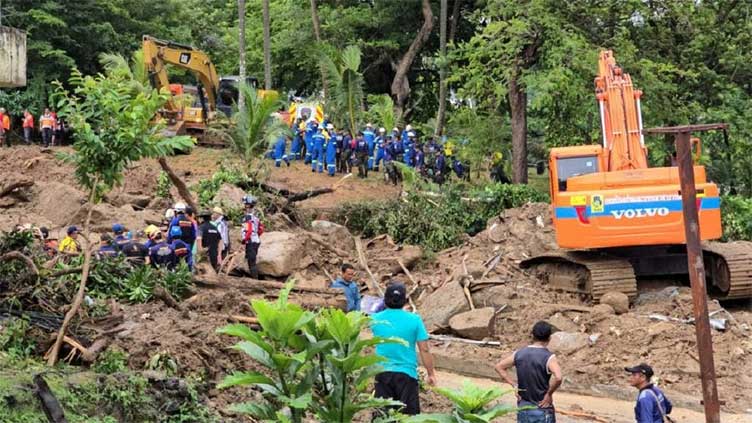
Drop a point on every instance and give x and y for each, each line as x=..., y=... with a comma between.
x=241, y=51
x=267, y=46
x=400, y=84
x=442, y=68
x=317, y=34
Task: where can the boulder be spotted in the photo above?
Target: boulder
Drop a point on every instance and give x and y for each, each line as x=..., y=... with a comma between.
x=57, y=201
x=563, y=323
x=603, y=309
x=568, y=342
x=474, y=324
x=443, y=303
x=280, y=253
x=337, y=234
x=229, y=195
x=123, y=198
x=618, y=300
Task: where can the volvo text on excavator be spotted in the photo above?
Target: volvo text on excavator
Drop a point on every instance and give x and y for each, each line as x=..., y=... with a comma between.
x=619, y=219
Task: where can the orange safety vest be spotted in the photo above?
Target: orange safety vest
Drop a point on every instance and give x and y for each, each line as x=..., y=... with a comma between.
x=47, y=121
x=6, y=122
x=28, y=121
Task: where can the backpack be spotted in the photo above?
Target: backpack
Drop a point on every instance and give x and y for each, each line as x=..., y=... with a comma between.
x=164, y=255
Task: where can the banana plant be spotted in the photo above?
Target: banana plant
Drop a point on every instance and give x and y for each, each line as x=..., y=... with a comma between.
x=472, y=404
x=345, y=82
x=255, y=126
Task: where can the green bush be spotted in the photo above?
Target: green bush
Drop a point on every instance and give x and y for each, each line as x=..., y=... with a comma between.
x=435, y=221
x=736, y=215
x=14, y=339
x=208, y=188
x=112, y=360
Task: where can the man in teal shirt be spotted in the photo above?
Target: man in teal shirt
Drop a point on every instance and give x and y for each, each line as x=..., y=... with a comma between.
x=399, y=380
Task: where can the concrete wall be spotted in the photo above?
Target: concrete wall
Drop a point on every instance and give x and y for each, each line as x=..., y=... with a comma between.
x=12, y=57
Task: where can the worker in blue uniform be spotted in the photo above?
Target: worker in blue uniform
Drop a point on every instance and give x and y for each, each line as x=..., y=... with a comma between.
x=378, y=154
x=317, y=162
x=331, y=154
x=309, y=132
x=279, y=151
x=296, y=143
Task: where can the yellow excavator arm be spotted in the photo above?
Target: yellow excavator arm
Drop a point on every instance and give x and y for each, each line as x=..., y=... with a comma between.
x=159, y=53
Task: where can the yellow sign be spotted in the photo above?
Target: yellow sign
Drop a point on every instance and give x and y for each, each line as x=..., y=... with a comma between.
x=596, y=203
x=578, y=200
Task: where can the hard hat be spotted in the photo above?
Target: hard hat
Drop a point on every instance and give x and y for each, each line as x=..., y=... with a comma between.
x=411, y=134
x=149, y=230
x=409, y=128
x=368, y=125
x=169, y=214
x=249, y=200
x=118, y=228
x=218, y=211
x=382, y=130
x=395, y=129
x=329, y=126
x=179, y=207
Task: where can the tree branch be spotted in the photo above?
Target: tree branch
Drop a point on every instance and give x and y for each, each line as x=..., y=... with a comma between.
x=179, y=184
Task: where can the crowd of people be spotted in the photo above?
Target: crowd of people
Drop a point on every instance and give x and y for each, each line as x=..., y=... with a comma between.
x=333, y=150
x=184, y=240
x=51, y=128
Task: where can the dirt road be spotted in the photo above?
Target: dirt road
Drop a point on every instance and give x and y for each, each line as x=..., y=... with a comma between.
x=612, y=410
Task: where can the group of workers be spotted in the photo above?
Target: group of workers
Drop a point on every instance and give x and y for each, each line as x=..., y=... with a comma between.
x=184, y=239
x=51, y=128
x=337, y=150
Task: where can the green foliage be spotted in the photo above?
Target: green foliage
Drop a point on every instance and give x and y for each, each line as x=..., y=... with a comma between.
x=314, y=364
x=162, y=361
x=736, y=214
x=256, y=127
x=16, y=240
x=110, y=361
x=381, y=111
x=163, y=185
x=344, y=87
x=471, y=404
x=114, y=277
x=14, y=338
x=208, y=188
x=435, y=221
x=112, y=126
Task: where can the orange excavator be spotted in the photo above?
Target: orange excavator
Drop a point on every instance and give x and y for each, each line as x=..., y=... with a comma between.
x=620, y=220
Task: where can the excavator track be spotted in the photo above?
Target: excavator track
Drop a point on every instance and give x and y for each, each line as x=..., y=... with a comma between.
x=729, y=269
x=590, y=273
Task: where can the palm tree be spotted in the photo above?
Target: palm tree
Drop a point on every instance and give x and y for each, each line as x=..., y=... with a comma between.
x=133, y=71
x=345, y=83
x=256, y=127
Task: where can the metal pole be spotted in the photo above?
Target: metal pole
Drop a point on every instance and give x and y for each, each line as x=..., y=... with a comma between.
x=697, y=278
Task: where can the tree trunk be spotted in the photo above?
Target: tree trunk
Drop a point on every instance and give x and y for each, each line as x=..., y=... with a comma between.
x=317, y=34
x=179, y=184
x=241, y=52
x=455, y=20
x=267, y=46
x=517, y=105
x=400, y=85
x=442, y=69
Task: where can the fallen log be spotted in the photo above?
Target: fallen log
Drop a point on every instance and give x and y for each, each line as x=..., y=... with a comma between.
x=162, y=294
x=23, y=183
x=255, y=285
x=50, y=404
x=179, y=184
x=581, y=415
x=319, y=240
x=15, y=255
x=243, y=319
x=445, y=338
x=292, y=198
x=374, y=286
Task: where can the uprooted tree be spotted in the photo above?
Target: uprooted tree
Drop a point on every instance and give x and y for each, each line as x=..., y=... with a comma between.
x=112, y=127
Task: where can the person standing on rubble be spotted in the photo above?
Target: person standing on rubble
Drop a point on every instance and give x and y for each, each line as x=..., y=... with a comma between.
x=399, y=380
x=535, y=365
x=348, y=283
x=652, y=405
x=251, y=235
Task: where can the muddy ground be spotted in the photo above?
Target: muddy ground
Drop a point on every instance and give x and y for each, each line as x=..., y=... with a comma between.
x=595, y=368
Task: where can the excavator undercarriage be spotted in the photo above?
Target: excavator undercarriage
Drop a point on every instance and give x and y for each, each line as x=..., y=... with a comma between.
x=728, y=270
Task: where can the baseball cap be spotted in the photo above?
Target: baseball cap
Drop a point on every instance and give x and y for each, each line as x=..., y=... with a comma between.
x=395, y=295
x=118, y=228
x=72, y=229
x=641, y=368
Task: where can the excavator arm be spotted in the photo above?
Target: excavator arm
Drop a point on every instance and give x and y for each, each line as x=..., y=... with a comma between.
x=159, y=53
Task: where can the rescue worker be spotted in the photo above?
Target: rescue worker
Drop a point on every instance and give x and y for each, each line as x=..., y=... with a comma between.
x=279, y=151
x=28, y=126
x=379, y=149
x=409, y=148
x=346, y=155
x=296, y=141
x=331, y=155
x=369, y=136
x=349, y=285
x=49, y=246
x=361, y=154
x=183, y=251
x=405, y=132
x=392, y=174
x=652, y=404
x=4, y=127
x=69, y=245
x=220, y=221
x=317, y=163
x=420, y=159
x=161, y=253
x=183, y=228
x=251, y=234
x=439, y=171
x=120, y=238
x=209, y=239
x=149, y=232
x=106, y=249
x=309, y=132
x=398, y=149
x=46, y=125
x=459, y=169
x=136, y=252
x=338, y=140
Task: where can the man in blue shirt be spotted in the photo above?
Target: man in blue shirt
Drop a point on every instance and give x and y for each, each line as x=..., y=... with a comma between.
x=399, y=380
x=350, y=286
x=652, y=405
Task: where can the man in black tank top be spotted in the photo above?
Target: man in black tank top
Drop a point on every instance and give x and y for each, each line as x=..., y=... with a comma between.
x=534, y=365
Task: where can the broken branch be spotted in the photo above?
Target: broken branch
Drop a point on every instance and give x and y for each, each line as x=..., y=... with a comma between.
x=364, y=263
x=179, y=184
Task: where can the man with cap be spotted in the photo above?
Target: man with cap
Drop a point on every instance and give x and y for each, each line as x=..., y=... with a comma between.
x=220, y=221
x=409, y=146
x=310, y=130
x=317, y=156
x=120, y=239
x=535, y=365
x=331, y=151
x=69, y=245
x=251, y=234
x=161, y=253
x=399, y=380
x=379, y=143
x=370, y=137
x=361, y=155
x=209, y=238
x=652, y=405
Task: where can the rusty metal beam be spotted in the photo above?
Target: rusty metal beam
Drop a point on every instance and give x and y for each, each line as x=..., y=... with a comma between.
x=696, y=267
x=685, y=128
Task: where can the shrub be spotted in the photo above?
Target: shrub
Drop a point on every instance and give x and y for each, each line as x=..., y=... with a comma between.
x=736, y=215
